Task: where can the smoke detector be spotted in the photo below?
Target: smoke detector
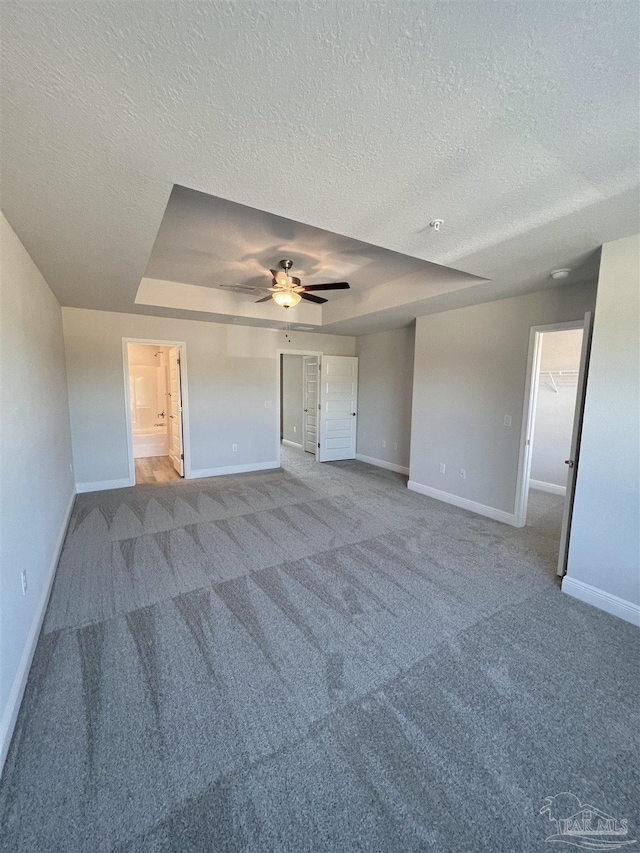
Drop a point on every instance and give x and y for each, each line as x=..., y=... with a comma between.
x=560, y=274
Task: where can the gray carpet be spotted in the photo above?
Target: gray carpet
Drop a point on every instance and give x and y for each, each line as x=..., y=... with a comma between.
x=314, y=659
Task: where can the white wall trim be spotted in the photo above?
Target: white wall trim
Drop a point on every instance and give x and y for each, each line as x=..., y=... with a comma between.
x=10, y=715
x=552, y=488
x=390, y=466
x=292, y=443
x=234, y=469
x=464, y=503
x=602, y=600
x=103, y=485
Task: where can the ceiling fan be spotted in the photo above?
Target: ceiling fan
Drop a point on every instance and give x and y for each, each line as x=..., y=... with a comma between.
x=287, y=290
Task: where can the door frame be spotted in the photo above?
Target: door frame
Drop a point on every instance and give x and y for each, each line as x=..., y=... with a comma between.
x=529, y=412
x=186, y=432
x=279, y=354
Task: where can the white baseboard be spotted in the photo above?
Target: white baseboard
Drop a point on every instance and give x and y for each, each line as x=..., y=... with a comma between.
x=234, y=469
x=603, y=600
x=541, y=486
x=8, y=722
x=390, y=466
x=292, y=444
x=103, y=485
x=464, y=503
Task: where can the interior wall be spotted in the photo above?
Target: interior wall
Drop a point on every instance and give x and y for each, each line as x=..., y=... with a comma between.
x=605, y=534
x=292, y=398
x=385, y=388
x=36, y=481
x=555, y=407
x=232, y=383
x=469, y=372
x=144, y=354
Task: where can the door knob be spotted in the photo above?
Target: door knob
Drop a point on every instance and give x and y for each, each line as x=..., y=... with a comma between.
x=569, y=462
x=306, y=410
x=354, y=414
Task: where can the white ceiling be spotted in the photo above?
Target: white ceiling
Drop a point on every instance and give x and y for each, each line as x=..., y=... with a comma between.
x=516, y=123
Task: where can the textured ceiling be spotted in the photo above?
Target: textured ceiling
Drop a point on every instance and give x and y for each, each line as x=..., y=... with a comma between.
x=516, y=123
x=206, y=244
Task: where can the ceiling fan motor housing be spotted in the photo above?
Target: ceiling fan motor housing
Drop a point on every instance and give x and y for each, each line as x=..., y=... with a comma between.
x=287, y=290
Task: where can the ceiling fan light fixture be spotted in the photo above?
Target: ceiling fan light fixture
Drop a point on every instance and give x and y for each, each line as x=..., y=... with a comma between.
x=287, y=298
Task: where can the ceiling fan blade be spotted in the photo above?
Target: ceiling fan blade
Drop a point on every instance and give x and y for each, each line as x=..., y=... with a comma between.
x=339, y=285
x=274, y=273
x=318, y=299
x=295, y=280
x=240, y=288
x=264, y=299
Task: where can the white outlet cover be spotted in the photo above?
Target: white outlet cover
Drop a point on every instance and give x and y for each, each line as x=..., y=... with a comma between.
x=443, y=468
x=267, y=404
x=507, y=420
x=234, y=447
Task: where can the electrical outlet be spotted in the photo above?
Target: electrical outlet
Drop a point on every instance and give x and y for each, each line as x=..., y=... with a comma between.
x=384, y=443
x=71, y=467
x=295, y=429
x=443, y=467
x=395, y=445
x=463, y=473
x=24, y=583
x=267, y=404
x=507, y=420
x=234, y=447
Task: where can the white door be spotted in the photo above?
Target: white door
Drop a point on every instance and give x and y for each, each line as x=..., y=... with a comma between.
x=574, y=454
x=310, y=414
x=176, y=448
x=338, y=412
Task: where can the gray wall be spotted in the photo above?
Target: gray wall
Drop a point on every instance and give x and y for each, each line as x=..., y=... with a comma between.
x=555, y=408
x=36, y=483
x=470, y=370
x=385, y=387
x=605, y=539
x=292, y=398
x=232, y=371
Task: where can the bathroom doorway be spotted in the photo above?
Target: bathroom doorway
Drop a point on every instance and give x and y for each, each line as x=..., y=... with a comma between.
x=155, y=391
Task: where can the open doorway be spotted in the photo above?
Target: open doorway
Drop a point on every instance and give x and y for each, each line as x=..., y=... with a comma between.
x=155, y=412
x=326, y=386
x=555, y=406
x=558, y=364
x=299, y=401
